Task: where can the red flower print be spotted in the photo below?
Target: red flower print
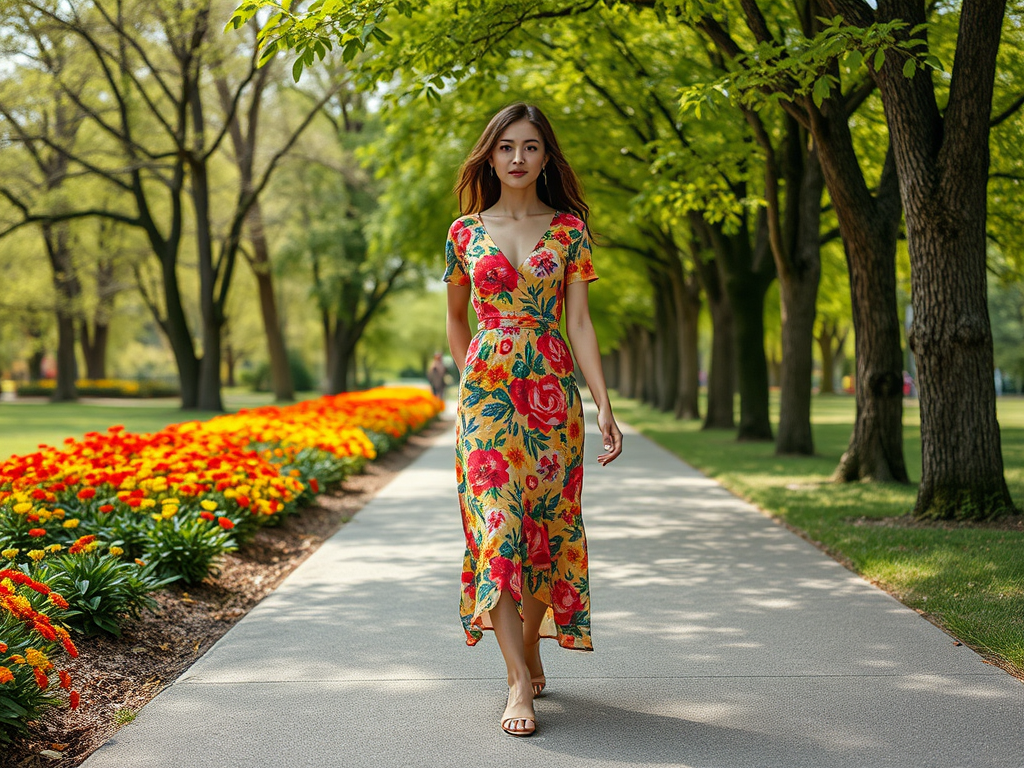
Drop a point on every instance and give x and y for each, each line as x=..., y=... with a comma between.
x=507, y=575
x=556, y=353
x=487, y=469
x=467, y=584
x=532, y=482
x=537, y=543
x=505, y=346
x=573, y=484
x=462, y=235
x=548, y=467
x=493, y=274
x=563, y=237
x=565, y=601
x=541, y=400
x=574, y=430
x=494, y=520
x=543, y=264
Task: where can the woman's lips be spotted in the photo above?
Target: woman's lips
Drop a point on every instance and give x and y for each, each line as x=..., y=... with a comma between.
x=517, y=173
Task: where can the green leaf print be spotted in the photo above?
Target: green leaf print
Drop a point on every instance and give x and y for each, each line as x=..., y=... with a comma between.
x=520, y=370
x=497, y=410
x=535, y=441
x=538, y=365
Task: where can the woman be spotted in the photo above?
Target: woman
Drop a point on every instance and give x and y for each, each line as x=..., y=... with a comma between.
x=519, y=422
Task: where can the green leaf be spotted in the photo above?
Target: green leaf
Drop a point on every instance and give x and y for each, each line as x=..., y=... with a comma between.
x=822, y=88
x=879, y=59
x=909, y=68
x=933, y=62
x=297, y=69
x=854, y=59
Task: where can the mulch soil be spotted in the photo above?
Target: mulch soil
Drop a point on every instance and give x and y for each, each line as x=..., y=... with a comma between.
x=117, y=676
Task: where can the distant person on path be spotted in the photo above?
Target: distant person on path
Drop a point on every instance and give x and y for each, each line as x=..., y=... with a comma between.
x=519, y=420
x=436, y=375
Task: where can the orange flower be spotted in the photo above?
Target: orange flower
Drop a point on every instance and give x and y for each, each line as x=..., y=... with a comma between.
x=65, y=679
x=74, y=699
x=41, y=679
x=37, y=532
x=516, y=456
x=87, y=493
x=58, y=600
x=225, y=523
x=6, y=675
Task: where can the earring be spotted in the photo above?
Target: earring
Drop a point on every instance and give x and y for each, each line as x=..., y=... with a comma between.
x=544, y=173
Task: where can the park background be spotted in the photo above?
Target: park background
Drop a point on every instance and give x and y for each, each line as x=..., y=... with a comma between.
x=809, y=243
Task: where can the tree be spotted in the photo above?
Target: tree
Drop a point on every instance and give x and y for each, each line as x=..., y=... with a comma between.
x=942, y=158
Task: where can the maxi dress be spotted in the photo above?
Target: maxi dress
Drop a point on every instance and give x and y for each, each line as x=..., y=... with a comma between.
x=519, y=431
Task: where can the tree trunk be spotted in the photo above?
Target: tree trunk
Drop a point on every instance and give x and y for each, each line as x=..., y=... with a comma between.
x=610, y=369
x=627, y=355
x=666, y=346
x=94, y=348
x=943, y=164
x=798, y=285
x=280, y=372
x=747, y=300
x=868, y=226
x=721, y=406
x=342, y=349
x=686, y=294
x=68, y=290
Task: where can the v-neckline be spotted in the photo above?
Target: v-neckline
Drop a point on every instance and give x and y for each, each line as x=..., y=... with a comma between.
x=543, y=239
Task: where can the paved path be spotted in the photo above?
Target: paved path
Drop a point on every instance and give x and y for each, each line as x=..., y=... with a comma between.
x=722, y=641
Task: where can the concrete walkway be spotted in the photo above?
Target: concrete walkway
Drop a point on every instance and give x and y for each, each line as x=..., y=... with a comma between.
x=721, y=641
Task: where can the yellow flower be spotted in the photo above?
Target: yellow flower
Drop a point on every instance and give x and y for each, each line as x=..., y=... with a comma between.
x=90, y=546
x=36, y=658
x=167, y=512
x=171, y=500
x=55, y=548
x=24, y=508
x=116, y=551
x=147, y=503
x=11, y=553
x=157, y=517
x=71, y=522
x=209, y=506
x=37, y=554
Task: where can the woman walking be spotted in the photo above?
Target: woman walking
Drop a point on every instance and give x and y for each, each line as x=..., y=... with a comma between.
x=519, y=423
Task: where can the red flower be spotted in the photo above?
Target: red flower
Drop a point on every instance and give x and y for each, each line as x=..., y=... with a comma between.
x=37, y=532
x=245, y=501
x=487, y=469
x=505, y=346
x=573, y=484
x=69, y=647
x=207, y=515
x=556, y=353
x=134, y=501
x=565, y=601
x=507, y=575
x=493, y=274
x=225, y=523
x=537, y=543
x=74, y=699
x=467, y=584
x=314, y=485
x=532, y=482
x=541, y=400
x=106, y=508
x=41, y=679
x=65, y=679
x=87, y=493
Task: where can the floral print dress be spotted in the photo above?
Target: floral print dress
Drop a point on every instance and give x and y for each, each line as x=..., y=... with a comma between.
x=519, y=430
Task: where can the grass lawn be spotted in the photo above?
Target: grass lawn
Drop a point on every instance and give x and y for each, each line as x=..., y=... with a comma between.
x=23, y=426
x=968, y=580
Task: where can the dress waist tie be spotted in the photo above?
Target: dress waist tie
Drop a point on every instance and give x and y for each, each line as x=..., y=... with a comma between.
x=531, y=322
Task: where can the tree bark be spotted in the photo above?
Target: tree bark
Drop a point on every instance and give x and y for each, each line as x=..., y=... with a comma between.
x=943, y=163
x=686, y=295
x=799, y=277
x=721, y=386
x=69, y=290
x=868, y=226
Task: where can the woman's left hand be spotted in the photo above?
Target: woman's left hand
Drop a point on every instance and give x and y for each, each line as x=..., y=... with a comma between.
x=611, y=434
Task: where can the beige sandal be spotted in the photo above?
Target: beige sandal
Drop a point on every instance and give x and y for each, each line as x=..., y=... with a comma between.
x=538, y=684
x=505, y=721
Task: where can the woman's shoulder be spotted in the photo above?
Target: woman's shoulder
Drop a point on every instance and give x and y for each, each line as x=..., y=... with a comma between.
x=571, y=220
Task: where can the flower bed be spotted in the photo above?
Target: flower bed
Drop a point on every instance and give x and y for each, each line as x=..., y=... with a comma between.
x=100, y=388
x=88, y=530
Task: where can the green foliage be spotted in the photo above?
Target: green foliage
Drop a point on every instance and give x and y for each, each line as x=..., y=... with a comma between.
x=101, y=589
x=21, y=700
x=189, y=547
x=772, y=72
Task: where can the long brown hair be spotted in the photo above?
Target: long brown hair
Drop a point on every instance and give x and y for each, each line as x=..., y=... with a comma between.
x=477, y=188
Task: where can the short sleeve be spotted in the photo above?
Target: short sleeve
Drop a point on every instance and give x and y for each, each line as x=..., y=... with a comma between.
x=454, y=265
x=580, y=265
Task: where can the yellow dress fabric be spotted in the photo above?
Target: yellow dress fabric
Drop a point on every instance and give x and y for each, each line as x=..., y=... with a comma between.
x=519, y=430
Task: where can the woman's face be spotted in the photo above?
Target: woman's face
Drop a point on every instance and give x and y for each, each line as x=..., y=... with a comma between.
x=519, y=155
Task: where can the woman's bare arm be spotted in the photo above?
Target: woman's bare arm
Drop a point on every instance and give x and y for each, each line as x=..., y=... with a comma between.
x=457, y=323
x=580, y=330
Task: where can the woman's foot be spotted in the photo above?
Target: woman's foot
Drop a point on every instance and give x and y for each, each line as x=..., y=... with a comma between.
x=535, y=666
x=519, y=719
